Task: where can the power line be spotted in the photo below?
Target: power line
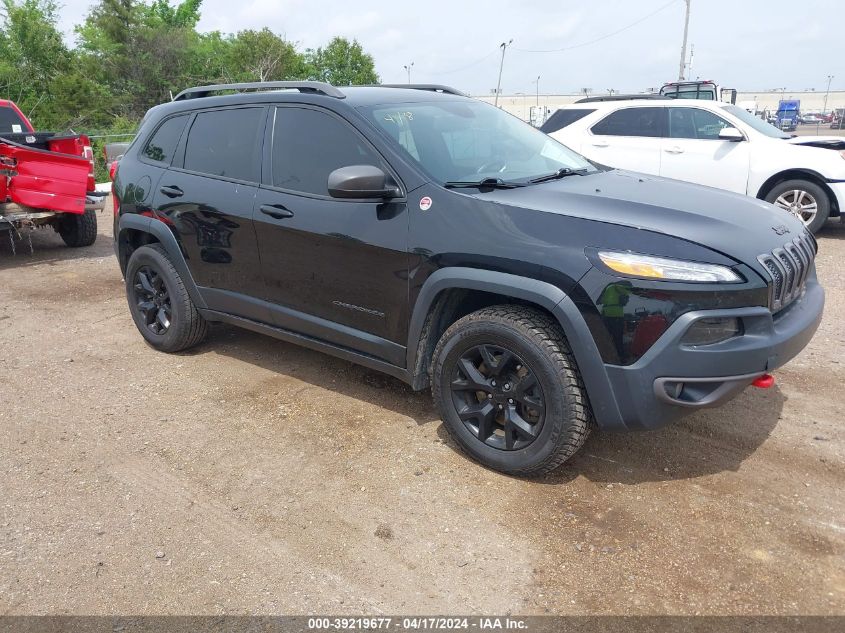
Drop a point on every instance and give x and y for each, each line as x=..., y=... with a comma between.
x=475, y=63
x=603, y=37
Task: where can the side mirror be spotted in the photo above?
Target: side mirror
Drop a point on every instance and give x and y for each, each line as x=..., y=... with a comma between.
x=731, y=134
x=360, y=181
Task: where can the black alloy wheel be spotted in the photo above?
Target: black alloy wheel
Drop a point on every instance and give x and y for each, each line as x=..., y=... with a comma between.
x=498, y=397
x=152, y=300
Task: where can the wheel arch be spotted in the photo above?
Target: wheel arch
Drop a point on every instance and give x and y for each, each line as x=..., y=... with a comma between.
x=800, y=174
x=443, y=300
x=137, y=230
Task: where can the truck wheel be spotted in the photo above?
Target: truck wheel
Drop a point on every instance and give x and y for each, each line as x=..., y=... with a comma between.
x=160, y=305
x=804, y=199
x=78, y=230
x=509, y=391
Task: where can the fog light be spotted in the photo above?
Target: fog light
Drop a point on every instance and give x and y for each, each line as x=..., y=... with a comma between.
x=712, y=330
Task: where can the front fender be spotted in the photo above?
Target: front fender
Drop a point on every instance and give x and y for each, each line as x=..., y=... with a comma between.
x=545, y=295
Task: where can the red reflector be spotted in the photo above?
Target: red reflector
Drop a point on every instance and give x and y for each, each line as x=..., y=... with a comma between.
x=764, y=382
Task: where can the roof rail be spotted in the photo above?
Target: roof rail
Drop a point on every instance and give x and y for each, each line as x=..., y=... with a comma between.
x=618, y=97
x=430, y=87
x=315, y=87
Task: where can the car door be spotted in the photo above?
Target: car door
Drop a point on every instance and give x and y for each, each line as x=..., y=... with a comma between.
x=693, y=151
x=207, y=197
x=335, y=269
x=627, y=138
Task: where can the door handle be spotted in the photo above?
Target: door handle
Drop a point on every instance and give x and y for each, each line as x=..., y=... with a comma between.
x=278, y=211
x=674, y=150
x=600, y=144
x=172, y=192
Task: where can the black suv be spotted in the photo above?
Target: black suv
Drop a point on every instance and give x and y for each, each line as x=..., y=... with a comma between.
x=438, y=239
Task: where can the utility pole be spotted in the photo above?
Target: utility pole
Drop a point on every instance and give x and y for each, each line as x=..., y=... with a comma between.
x=407, y=68
x=503, y=46
x=684, y=45
x=827, y=92
x=689, y=66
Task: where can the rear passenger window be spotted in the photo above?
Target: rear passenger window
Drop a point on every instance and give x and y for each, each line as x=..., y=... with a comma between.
x=562, y=118
x=226, y=143
x=163, y=142
x=631, y=122
x=308, y=145
x=10, y=122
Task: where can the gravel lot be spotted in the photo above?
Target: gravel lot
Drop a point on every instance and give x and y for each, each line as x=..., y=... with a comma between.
x=252, y=476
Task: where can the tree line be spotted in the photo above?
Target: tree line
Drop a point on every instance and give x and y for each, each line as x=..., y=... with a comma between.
x=129, y=55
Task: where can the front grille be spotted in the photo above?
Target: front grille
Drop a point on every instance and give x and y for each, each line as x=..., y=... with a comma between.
x=789, y=267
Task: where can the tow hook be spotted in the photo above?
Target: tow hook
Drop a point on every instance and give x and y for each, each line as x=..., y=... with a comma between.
x=764, y=382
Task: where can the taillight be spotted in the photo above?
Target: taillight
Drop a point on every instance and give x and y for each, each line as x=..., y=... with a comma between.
x=112, y=170
x=88, y=152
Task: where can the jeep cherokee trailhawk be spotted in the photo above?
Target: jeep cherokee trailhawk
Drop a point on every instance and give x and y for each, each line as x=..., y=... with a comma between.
x=438, y=239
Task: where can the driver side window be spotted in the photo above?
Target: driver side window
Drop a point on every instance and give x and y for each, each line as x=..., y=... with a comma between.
x=308, y=145
x=694, y=123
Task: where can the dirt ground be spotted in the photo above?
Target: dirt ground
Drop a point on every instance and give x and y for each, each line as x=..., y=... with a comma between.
x=253, y=476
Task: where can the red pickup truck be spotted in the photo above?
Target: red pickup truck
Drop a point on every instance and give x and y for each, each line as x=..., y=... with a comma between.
x=44, y=180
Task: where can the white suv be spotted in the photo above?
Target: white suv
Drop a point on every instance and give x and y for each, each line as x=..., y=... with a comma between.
x=710, y=143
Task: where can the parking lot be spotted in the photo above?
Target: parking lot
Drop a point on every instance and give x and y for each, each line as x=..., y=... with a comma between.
x=252, y=476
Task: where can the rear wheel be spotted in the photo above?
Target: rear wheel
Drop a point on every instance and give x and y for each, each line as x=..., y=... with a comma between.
x=804, y=199
x=78, y=230
x=509, y=391
x=160, y=305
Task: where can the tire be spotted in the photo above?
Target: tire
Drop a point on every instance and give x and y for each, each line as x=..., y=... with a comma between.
x=78, y=230
x=783, y=193
x=170, y=302
x=536, y=345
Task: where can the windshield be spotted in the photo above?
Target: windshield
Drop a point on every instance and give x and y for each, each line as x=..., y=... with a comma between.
x=469, y=141
x=755, y=122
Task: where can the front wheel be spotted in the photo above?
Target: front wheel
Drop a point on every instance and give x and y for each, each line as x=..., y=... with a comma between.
x=804, y=199
x=509, y=391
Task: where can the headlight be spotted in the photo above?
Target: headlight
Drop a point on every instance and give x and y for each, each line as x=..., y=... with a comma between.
x=649, y=267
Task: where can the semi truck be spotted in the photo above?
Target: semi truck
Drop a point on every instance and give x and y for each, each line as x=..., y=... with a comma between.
x=788, y=114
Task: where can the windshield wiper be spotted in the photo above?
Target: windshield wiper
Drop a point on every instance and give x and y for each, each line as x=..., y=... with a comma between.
x=563, y=172
x=487, y=183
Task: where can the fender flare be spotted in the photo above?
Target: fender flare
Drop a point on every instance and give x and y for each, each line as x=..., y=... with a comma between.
x=797, y=173
x=165, y=237
x=593, y=373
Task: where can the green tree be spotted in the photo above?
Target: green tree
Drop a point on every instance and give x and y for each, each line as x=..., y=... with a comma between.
x=263, y=56
x=141, y=52
x=133, y=54
x=341, y=63
x=185, y=15
x=32, y=53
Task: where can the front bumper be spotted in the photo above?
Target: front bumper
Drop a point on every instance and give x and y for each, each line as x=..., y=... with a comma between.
x=838, y=189
x=673, y=378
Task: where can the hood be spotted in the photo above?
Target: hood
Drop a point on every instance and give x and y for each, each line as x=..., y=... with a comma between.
x=826, y=142
x=737, y=226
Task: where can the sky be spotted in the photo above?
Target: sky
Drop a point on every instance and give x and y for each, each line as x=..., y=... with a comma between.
x=626, y=45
